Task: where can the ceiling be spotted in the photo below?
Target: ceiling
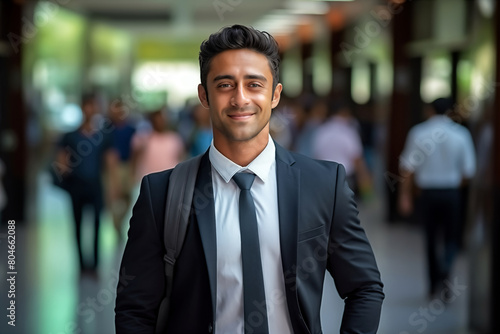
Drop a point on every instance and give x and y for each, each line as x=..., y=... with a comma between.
x=174, y=18
x=194, y=20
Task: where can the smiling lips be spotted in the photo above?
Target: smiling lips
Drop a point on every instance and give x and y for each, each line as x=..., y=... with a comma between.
x=240, y=117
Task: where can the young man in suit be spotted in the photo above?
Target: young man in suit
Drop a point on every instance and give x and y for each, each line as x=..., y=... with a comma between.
x=253, y=260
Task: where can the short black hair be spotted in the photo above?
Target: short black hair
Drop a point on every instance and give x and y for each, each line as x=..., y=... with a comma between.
x=335, y=105
x=239, y=37
x=87, y=98
x=442, y=105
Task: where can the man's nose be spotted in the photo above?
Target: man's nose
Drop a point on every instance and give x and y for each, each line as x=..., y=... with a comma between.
x=240, y=97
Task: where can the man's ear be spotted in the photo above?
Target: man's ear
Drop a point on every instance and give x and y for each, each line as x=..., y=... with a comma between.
x=276, y=95
x=203, y=96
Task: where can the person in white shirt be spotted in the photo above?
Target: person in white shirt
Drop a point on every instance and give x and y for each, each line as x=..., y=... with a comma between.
x=437, y=159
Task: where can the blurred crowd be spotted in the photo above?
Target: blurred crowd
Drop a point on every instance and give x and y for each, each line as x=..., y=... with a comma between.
x=101, y=163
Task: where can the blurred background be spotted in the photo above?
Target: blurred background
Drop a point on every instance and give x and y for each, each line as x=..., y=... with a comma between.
x=386, y=60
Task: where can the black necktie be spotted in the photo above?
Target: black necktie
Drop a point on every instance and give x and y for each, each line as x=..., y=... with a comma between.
x=254, y=297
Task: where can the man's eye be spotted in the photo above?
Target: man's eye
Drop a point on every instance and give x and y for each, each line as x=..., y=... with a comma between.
x=224, y=85
x=255, y=84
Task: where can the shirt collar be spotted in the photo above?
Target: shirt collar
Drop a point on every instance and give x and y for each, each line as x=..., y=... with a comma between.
x=260, y=166
x=440, y=118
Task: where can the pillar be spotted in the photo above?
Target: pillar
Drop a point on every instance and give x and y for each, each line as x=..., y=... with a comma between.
x=400, y=107
x=13, y=150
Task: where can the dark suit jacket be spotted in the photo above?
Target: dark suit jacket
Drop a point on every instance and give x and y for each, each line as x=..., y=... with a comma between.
x=319, y=230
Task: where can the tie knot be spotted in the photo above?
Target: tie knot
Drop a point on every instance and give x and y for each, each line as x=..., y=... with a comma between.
x=244, y=180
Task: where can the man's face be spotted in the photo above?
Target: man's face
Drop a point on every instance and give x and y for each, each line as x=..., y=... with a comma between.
x=89, y=109
x=117, y=112
x=240, y=96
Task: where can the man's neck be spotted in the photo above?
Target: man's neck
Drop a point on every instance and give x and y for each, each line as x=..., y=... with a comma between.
x=242, y=152
x=87, y=127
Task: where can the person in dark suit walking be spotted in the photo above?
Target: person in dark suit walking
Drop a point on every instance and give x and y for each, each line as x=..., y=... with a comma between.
x=267, y=222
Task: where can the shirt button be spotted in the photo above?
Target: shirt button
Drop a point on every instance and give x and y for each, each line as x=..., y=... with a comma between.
x=210, y=328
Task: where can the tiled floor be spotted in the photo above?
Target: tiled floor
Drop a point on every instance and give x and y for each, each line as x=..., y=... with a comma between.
x=51, y=298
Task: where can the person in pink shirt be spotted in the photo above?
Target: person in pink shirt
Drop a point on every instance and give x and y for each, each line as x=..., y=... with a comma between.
x=338, y=139
x=157, y=150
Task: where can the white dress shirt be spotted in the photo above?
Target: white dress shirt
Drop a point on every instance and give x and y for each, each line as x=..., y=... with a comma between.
x=440, y=152
x=229, y=304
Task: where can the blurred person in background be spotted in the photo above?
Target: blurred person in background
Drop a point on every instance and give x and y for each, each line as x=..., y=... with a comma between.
x=122, y=133
x=82, y=156
x=185, y=120
x=280, y=124
x=338, y=139
x=309, y=117
x=201, y=135
x=438, y=158
x=156, y=150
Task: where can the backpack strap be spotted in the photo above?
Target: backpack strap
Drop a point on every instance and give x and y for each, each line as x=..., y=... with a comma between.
x=177, y=211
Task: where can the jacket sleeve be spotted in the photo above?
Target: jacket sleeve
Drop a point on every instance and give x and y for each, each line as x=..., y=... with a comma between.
x=141, y=283
x=352, y=264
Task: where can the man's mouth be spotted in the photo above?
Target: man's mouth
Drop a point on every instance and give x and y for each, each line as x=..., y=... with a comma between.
x=241, y=117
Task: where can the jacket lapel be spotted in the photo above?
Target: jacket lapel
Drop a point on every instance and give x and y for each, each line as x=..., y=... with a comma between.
x=288, y=178
x=203, y=202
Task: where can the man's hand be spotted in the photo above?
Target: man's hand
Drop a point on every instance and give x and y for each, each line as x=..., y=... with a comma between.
x=405, y=204
x=114, y=187
x=405, y=198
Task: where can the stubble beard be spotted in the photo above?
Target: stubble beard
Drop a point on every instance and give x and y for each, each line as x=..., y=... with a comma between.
x=238, y=136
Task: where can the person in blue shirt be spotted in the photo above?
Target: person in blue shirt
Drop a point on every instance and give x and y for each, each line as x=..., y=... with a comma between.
x=82, y=156
x=201, y=137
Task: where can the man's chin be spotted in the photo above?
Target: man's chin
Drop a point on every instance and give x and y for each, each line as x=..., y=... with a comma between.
x=242, y=134
x=243, y=137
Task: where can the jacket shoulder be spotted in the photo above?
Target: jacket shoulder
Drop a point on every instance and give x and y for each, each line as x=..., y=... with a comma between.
x=157, y=181
x=303, y=161
x=159, y=176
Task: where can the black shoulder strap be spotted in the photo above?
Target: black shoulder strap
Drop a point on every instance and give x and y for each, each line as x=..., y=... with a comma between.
x=177, y=210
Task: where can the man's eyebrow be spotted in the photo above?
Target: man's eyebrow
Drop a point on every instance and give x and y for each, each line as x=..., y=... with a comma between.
x=248, y=76
x=256, y=77
x=223, y=76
